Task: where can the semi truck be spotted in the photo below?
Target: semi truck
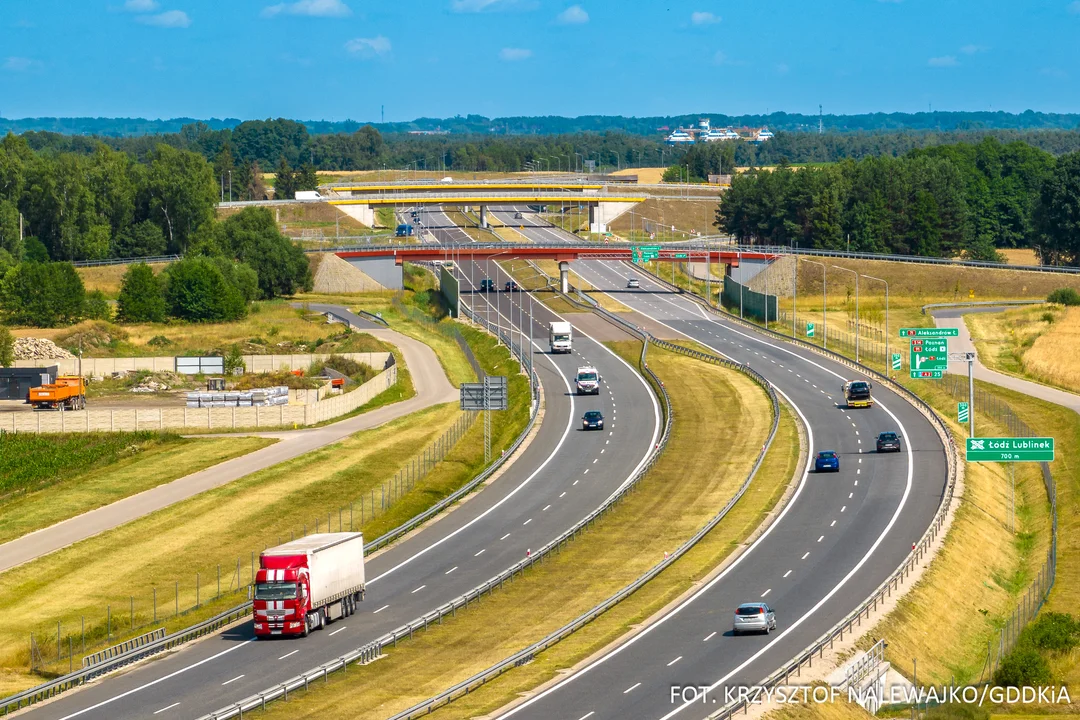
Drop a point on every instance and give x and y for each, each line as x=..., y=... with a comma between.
x=305, y=584
x=588, y=381
x=857, y=394
x=67, y=393
x=560, y=336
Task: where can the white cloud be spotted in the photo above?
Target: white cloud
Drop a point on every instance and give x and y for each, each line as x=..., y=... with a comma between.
x=513, y=54
x=369, y=47
x=573, y=15
x=18, y=64
x=943, y=61
x=474, y=6
x=973, y=49
x=167, y=19
x=1074, y=7
x=141, y=5
x=312, y=8
x=704, y=18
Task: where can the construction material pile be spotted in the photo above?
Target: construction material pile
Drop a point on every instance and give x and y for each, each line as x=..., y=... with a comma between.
x=252, y=398
x=29, y=348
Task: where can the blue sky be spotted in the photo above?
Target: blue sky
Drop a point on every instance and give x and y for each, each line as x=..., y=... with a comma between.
x=338, y=59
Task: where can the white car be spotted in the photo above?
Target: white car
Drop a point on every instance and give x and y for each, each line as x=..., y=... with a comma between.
x=633, y=283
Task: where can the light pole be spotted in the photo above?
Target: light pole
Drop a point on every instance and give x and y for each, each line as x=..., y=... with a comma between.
x=888, y=365
x=581, y=165
x=824, y=312
x=856, y=308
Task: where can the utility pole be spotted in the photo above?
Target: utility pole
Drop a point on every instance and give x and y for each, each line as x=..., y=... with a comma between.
x=971, y=394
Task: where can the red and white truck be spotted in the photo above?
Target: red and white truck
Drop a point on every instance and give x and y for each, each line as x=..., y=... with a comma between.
x=305, y=584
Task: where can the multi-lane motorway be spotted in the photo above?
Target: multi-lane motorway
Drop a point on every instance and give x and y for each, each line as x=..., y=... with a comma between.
x=562, y=476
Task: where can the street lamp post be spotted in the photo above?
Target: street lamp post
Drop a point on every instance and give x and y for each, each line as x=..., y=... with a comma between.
x=824, y=311
x=857, y=327
x=888, y=365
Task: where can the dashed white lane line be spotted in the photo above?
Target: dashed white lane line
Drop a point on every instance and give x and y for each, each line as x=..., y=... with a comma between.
x=576, y=482
x=343, y=627
x=167, y=707
x=586, y=472
x=418, y=589
x=526, y=522
x=505, y=536
x=858, y=471
x=451, y=570
x=594, y=461
x=832, y=523
x=545, y=508
x=674, y=661
x=630, y=688
x=233, y=680
x=288, y=654
x=766, y=592
x=856, y=482
x=860, y=461
x=480, y=553
x=804, y=556
x=821, y=538
x=850, y=495
x=587, y=715
x=562, y=493
x=787, y=573
x=843, y=508
x=380, y=610
x=708, y=637
x=857, y=432
x=601, y=452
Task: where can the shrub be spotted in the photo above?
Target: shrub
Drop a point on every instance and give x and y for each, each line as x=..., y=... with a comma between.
x=42, y=294
x=159, y=341
x=96, y=306
x=1023, y=667
x=234, y=361
x=196, y=290
x=1053, y=631
x=142, y=295
x=7, y=347
x=1048, y=318
x=1064, y=296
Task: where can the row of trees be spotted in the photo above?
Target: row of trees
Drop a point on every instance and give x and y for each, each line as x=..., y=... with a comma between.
x=950, y=200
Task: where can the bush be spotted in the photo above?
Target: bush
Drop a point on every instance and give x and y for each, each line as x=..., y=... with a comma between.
x=252, y=236
x=1057, y=632
x=1064, y=296
x=1048, y=318
x=42, y=294
x=196, y=290
x=96, y=306
x=7, y=347
x=35, y=251
x=142, y=295
x=234, y=361
x=1023, y=667
x=159, y=341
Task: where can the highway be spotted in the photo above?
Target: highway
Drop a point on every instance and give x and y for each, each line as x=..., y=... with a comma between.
x=557, y=480
x=839, y=537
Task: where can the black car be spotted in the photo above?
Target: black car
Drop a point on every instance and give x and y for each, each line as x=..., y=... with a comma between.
x=487, y=285
x=592, y=420
x=888, y=442
x=510, y=286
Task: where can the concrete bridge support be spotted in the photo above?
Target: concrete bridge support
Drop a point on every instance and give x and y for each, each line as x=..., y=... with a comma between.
x=564, y=277
x=483, y=217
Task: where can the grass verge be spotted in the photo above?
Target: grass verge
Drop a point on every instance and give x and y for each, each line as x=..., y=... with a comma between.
x=686, y=487
x=97, y=469
x=1034, y=342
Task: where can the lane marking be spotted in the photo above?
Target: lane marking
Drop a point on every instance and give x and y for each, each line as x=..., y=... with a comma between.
x=288, y=654
x=562, y=493
x=630, y=688
x=380, y=610
x=233, y=680
x=821, y=538
x=418, y=589
x=843, y=508
x=709, y=636
x=169, y=707
x=343, y=627
x=545, y=508
x=480, y=553
x=787, y=573
x=451, y=570
x=832, y=523
x=766, y=592
x=505, y=536
x=674, y=661
x=526, y=522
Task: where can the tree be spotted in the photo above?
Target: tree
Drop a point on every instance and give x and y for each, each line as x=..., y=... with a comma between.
x=307, y=178
x=224, y=168
x=180, y=193
x=252, y=237
x=96, y=306
x=284, y=181
x=143, y=239
x=10, y=238
x=1057, y=214
x=196, y=290
x=42, y=294
x=35, y=251
x=7, y=347
x=142, y=296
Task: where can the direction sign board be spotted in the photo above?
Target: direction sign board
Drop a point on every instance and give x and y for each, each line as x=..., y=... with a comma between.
x=895, y=359
x=810, y=329
x=644, y=253
x=1009, y=449
x=681, y=256
x=927, y=374
x=491, y=394
x=962, y=412
x=929, y=332
x=929, y=354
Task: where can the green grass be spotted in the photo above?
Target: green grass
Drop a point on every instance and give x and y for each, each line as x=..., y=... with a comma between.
x=686, y=487
x=61, y=476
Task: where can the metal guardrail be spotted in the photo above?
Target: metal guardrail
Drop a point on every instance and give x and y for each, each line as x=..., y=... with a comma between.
x=921, y=548
x=82, y=676
x=126, y=261
x=527, y=654
x=135, y=642
x=373, y=650
x=985, y=303
x=862, y=667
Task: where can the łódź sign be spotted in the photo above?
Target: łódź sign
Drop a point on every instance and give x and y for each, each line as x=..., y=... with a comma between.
x=1005, y=449
x=929, y=332
x=644, y=253
x=929, y=354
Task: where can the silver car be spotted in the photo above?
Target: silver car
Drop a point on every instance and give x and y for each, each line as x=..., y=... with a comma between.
x=753, y=617
x=632, y=283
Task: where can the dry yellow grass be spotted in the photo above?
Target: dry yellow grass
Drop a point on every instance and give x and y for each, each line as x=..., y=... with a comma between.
x=684, y=489
x=841, y=710
x=1053, y=356
x=693, y=216
x=1020, y=256
x=648, y=176
x=106, y=278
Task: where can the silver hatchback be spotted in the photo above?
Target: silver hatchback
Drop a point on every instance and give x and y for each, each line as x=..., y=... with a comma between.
x=753, y=617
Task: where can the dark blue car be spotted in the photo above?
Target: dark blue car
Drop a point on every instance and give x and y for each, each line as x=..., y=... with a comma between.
x=827, y=460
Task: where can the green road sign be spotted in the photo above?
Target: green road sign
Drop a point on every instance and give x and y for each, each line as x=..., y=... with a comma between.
x=1010, y=449
x=926, y=374
x=962, y=412
x=809, y=329
x=929, y=354
x=644, y=253
x=680, y=256
x=929, y=332
x=896, y=361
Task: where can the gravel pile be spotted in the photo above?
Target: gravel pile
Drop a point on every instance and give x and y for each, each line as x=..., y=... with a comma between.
x=28, y=348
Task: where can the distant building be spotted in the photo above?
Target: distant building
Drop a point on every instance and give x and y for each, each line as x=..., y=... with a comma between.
x=704, y=132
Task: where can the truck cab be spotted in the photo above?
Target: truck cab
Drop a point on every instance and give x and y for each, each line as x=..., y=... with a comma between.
x=588, y=381
x=404, y=230
x=857, y=394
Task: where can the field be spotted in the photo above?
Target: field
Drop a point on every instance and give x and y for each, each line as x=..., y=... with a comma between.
x=656, y=215
x=1035, y=342
x=106, y=278
x=309, y=220
x=685, y=488
x=48, y=478
x=647, y=176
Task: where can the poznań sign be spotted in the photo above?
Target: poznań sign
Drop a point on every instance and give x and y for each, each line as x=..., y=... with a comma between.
x=1005, y=449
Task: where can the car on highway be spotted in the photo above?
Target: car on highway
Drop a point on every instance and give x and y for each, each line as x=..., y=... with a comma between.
x=753, y=617
x=888, y=442
x=517, y=216
x=510, y=286
x=487, y=285
x=827, y=460
x=633, y=283
x=592, y=420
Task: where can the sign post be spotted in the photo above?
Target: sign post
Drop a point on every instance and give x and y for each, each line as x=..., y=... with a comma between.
x=490, y=394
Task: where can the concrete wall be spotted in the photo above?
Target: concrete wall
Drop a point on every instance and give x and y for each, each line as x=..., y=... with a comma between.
x=606, y=212
x=382, y=270
x=101, y=367
x=198, y=418
x=364, y=214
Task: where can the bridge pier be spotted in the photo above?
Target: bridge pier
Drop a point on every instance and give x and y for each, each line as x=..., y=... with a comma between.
x=483, y=217
x=593, y=225
x=564, y=276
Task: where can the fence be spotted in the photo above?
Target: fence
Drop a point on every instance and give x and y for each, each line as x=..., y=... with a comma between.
x=749, y=302
x=104, y=367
